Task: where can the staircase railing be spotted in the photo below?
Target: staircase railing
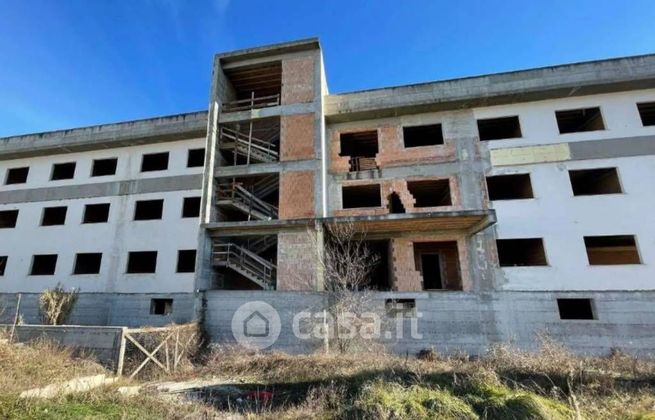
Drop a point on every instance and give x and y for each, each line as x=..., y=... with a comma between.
x=236, y=193
x=252, y=103
x=251, y=264
x=247, y=145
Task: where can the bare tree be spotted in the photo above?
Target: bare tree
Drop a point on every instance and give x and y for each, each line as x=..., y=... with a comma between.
x=346, y=263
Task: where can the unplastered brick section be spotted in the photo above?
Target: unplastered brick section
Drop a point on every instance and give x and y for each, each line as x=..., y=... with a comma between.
x=298, y=80
x=296, y=260
x=296, y=195
x=297, y=137
x=394, y=153
x=404, y=276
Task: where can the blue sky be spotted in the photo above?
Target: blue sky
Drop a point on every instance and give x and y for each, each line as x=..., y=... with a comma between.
x=68, y=63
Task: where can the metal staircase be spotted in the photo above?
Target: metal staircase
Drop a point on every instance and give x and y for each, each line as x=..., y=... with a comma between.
x=261, y=243
x=248, y=146
x=234, y=195
x=266, y=186
x=246, y=263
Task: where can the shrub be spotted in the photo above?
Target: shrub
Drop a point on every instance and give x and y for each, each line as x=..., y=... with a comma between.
x=56, y=305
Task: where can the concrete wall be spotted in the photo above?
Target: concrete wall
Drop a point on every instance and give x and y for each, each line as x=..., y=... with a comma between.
x=469, y=322
x=103, y=343
x=119, y=309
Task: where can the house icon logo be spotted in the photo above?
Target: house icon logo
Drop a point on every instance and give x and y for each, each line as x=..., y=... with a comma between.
x=256, y=325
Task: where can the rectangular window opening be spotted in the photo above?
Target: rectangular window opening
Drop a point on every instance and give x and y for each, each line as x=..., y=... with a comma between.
x=579, y=120
x=8, y=219
x=647, y=113
x=499, y=128
x=87, y=263
x=140, y=262
x=96, y=213
x=191, y=207
x=509, y=187
x=53, y=216
x=595, y=181
x=63, y=171
x=43, y=265
x=148, y=210
x=186, y=261
x=17, y=176
x=433, y=193
x=104, y=167
x=154, y=162
x=400, y=307
x=161, y=306
x=356, y=196
x=423, y=135
x=612, y=250
x=361, y=147
x=3, y=264
x=575, y=308
x=196, y=158
x=521, y=252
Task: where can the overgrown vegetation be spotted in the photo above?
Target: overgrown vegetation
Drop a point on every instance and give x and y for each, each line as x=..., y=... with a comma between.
x=56, y=305
x=505, y=384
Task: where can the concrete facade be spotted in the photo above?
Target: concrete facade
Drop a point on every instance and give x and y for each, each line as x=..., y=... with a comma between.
x=411, y=166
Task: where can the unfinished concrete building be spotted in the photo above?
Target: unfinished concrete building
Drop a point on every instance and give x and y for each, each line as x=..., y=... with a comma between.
x=501, y=206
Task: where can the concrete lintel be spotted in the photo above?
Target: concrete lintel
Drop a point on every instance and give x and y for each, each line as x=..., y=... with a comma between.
x=266, y=168
x=579, y=79
x=153, y=130
x=273, y=111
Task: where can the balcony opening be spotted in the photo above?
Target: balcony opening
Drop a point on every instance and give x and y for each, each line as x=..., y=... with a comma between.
x=8, y=219
x=521, y=252
x=141, y=262
x=647, y=113
x=247, y=198
x=438, y=263
x=3, y=264
x=423, y=135
x=43, y=265
x=499, y=128
x=245, y=262
x=63, y=171
x=257, y=86
x=361, y=148
x=104, y=167
x=148, y=210
x=612, y=250
x=579, y=120
x=17, y=176
x=357, y=196
x=400, y=308
x=154, y=162
x=433, y=193
x=395, y=204
x=161, y=306
x=191, y=207
x=509, y=187
x=96, y=213
x=595, y=181
x=53, y=216
x=186, y=261
x=250, y=142
x=575, y=308
x=88, y=263
x=196, y=158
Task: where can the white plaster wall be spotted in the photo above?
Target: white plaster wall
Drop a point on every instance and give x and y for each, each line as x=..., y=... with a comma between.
x=114, y=239
x=539, y=126
x=128, y=167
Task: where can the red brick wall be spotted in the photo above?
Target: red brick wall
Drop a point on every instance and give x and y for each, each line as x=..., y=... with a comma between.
x=297, y=137
x=296, y=195
x=298, y=80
